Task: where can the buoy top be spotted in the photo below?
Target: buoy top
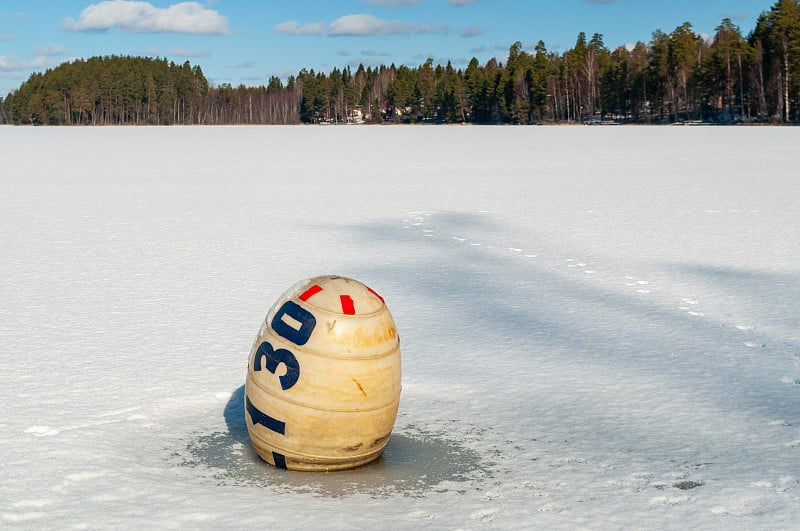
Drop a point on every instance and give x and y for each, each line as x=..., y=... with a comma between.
x=339, y=295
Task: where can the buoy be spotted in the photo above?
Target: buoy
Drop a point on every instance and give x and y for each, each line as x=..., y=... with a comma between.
x=323, y=380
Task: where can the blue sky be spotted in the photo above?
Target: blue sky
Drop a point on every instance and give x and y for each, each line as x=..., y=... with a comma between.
x=237, y=41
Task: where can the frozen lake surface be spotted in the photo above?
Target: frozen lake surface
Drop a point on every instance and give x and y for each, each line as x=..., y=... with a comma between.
x=600, y=326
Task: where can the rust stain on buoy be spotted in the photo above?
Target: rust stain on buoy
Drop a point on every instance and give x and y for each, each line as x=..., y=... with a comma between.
x=360, y=388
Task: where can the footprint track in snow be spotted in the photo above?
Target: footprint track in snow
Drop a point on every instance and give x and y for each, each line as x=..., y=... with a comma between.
x=689, y=305
x=420, y=220
x=100, y=420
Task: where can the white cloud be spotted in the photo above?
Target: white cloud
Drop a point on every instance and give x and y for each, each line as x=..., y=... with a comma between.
x=461, y=2
x=366, y=25
x=291, y=27
x=472, y=31
x=359, y=25
x=184, y=52
x=143, y=17
x=12, y=15
x=6, y=36
x=375, y=53
x=391, y=3
x=10, y=64
x=50, y=50
x=7, y=63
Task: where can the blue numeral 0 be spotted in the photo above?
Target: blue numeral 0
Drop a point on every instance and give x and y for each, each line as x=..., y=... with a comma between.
x=298, y=336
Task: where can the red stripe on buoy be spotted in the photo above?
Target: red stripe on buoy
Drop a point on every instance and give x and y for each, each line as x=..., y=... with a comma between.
x=347, y=305
x=376, y=294
x=310, y=292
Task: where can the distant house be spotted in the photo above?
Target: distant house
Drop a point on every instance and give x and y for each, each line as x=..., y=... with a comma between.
x=355, y=115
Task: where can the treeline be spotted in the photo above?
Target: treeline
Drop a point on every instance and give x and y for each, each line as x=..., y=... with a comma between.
x=677, y=76
x=111, y=90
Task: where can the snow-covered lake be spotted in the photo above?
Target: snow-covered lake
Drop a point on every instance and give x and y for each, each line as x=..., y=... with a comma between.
x=600, y=326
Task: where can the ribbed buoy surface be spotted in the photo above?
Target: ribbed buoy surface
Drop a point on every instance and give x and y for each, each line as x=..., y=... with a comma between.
x=323, y=379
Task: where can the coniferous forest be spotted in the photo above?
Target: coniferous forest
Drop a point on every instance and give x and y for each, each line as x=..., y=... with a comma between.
x=676, y=77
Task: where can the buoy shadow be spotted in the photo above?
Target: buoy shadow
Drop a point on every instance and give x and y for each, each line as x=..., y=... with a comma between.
x=412, y=463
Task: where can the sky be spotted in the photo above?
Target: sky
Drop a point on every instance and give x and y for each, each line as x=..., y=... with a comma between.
x=247, y=42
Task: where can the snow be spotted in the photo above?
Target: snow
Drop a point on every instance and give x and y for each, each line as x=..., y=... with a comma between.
x=600, y=326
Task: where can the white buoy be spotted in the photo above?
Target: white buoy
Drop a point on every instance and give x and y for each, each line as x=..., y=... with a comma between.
x=323, y=380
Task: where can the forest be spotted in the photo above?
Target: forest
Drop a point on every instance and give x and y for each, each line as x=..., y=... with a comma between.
x=675, y=77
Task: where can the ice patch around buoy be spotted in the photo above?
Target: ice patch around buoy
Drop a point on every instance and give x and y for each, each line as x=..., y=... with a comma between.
x=413, y=463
